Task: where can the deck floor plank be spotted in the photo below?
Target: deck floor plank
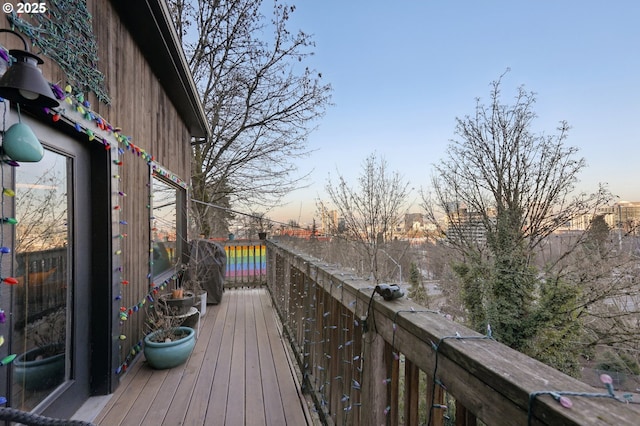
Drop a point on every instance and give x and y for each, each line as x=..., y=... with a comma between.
x=255, y=415
x=117, y=408
x=140, y=408
x=236, y=375
x=185, y=390
x=216, y=413
x=274, y=408
x=202, y=394
x=290, y=395
x=236, y=402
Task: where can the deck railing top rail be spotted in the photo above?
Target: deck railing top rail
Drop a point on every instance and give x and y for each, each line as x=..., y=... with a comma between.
x=325, y=309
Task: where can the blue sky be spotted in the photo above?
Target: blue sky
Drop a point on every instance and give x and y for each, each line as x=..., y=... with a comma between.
x=403, y=71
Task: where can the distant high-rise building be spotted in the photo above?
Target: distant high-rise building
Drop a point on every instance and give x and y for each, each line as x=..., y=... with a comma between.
x=469, y=226
x=624, y=215
x=329, y=221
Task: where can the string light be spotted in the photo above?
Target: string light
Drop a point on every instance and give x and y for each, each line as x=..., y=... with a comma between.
x=6, y=192
x=8, y=359
x=78, y=114
x=65, y=34
x=562, y=396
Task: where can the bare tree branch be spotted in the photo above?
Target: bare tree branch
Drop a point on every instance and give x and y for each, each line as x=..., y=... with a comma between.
x=260, y=98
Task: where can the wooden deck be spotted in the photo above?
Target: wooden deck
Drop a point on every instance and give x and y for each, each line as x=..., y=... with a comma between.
x=238, y=374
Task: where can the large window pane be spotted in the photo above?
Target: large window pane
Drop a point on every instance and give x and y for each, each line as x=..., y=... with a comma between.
x=164, y=226
x=40, y=315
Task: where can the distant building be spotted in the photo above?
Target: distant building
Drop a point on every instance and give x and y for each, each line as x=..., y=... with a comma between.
x=468, y=226
x=329, y=221
x=623, y=215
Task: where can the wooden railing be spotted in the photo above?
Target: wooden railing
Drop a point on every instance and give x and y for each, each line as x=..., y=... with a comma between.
x=366, y=361
x=246, y=263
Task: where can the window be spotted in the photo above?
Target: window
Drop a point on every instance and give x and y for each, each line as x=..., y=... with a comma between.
x=167, y=225
x=45, y=281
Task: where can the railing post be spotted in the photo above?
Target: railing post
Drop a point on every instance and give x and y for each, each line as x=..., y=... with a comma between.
x=463, y=416
x=374, y=373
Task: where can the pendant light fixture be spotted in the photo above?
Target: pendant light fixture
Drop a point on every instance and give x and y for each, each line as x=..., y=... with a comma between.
x=23, y=81
x=24, y=84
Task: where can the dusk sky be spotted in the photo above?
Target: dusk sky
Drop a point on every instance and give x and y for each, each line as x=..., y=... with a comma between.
x=402, y=72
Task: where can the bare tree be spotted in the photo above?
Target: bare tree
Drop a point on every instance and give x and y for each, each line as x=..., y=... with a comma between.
x=501, y=192
x=372, y=209
x=260, y=98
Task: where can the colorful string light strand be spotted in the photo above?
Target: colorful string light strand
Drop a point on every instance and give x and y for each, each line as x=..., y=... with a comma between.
x=6, y=192
x=78, y=104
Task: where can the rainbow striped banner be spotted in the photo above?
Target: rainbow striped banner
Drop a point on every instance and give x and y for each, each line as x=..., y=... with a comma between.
x=246, y=264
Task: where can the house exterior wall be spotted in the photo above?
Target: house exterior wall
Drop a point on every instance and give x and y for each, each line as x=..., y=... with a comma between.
x=148, y=116
x=141, y=107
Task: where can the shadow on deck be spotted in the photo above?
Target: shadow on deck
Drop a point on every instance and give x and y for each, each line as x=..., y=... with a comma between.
x=238, y=374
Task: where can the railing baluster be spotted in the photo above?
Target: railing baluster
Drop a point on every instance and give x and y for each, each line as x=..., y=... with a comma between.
x=374, y=374
x=411, y=392
x=395, y=390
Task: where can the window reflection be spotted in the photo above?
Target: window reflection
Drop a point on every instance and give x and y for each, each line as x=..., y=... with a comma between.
x=42, y=265
x=164, y=226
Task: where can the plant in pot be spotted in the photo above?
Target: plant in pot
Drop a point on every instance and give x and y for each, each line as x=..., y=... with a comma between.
x=178, y=302
x=168, y=343
x=263, y=224
x=43, y=366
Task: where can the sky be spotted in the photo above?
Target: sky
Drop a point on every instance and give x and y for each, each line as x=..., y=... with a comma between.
x=403, y=71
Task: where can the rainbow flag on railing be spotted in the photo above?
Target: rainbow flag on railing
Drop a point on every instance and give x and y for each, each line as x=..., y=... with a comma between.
x=246, y=262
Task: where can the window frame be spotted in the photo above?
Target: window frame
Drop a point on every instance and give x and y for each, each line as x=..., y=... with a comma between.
x=181, y=190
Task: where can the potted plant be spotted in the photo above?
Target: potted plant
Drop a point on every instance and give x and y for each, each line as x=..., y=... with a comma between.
x=168, y=343
x=178, y=302
x=263, y=224
x=43, y=366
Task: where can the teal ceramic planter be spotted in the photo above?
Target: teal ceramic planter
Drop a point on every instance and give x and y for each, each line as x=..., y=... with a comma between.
x=35, y=373
x=162, y=355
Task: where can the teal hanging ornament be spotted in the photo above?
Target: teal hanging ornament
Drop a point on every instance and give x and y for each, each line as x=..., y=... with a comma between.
x=21, y=144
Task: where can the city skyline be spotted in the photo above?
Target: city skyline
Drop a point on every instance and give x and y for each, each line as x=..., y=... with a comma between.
x=401, y=76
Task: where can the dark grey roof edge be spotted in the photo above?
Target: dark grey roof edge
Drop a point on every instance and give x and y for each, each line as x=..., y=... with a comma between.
x=149, y=22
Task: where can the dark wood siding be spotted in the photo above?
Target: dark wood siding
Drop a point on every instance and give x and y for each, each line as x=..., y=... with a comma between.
x=141, y=107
